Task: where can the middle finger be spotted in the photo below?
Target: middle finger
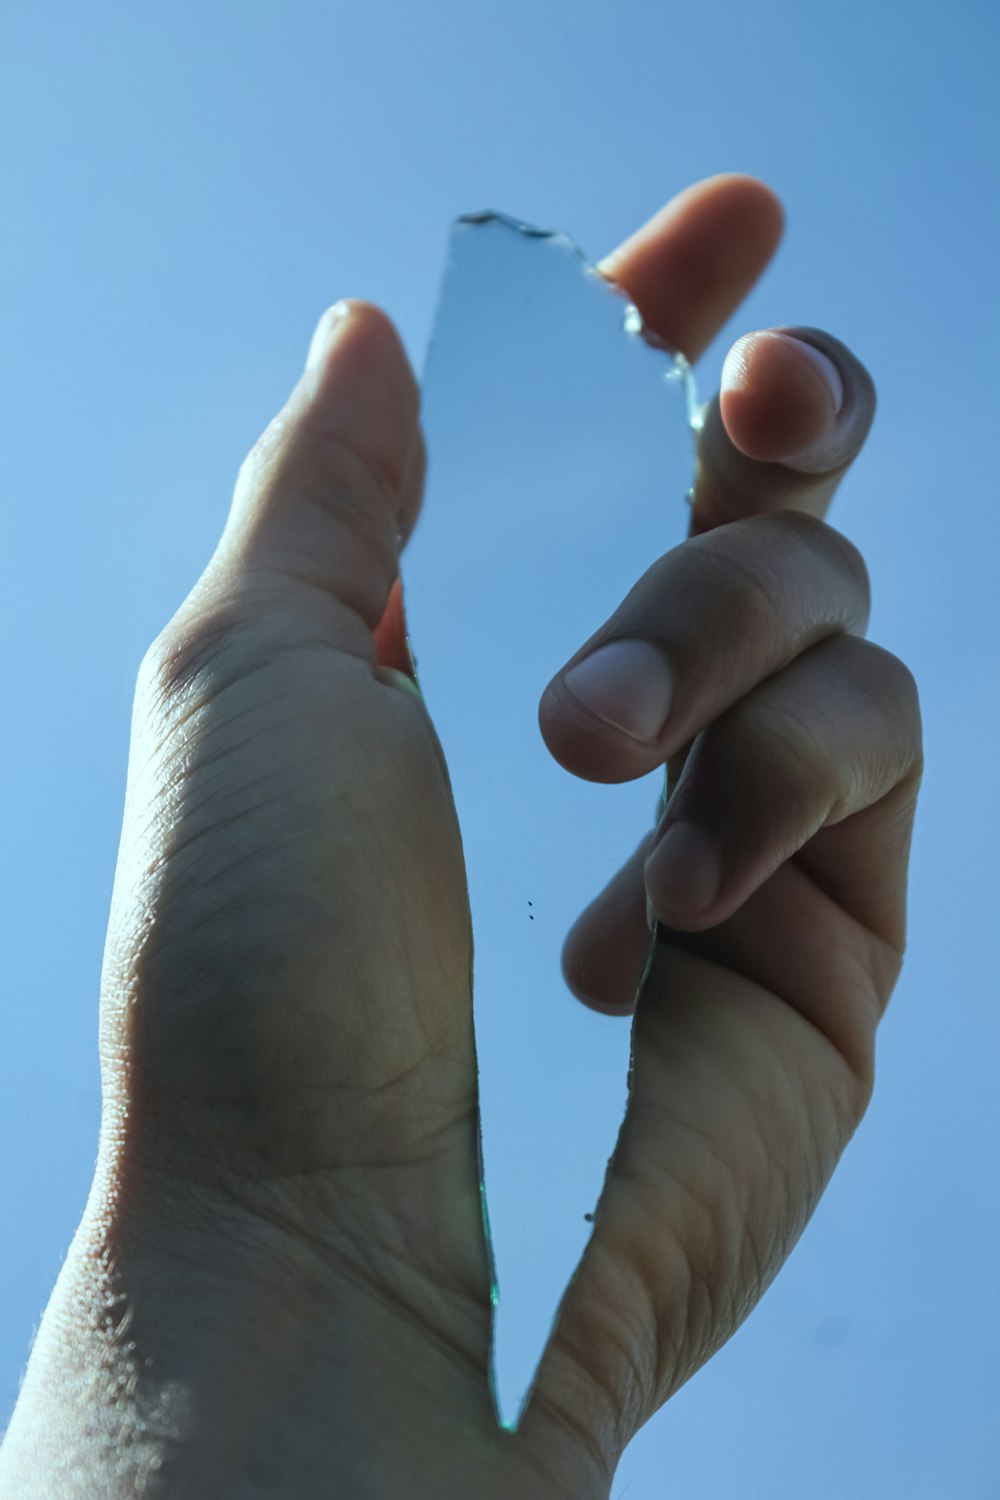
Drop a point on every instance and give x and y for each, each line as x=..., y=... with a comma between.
x=705, y=624
x=793, y=413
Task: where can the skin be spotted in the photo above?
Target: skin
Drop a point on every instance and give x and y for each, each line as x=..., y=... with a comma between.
x=279, y=1286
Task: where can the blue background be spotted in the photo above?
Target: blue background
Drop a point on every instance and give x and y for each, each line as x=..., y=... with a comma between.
x=184, y=189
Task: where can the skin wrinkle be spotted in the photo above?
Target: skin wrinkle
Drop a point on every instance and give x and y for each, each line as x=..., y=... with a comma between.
x=839, y=610
x=169, y=857
x=302, y=441
x=398, y=1305
x=324, y=1250
x=770, y=713
x=767, y=593
x=188, y=714
x=675, y=1314
x=858, y=1060
x=343, y=485
x=218, y=730
x=171, y=854
x=581, y=1432
x=886, y=761
x=777, y=588
x=383, y=554
x=687, y=1352
x=851, y=1065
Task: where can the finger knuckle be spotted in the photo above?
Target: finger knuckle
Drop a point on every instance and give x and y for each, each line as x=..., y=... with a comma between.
x=791, y=739
x=850, y=563
x=748, y=593
x=889, y=681
x=194, y=646
x=339, y=475
x=266, y=454
x=824, y=546
x=901, y=683
x=355, y=508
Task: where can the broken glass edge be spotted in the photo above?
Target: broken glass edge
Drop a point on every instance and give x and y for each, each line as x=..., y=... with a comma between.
x=633, y=322
x=679, y=372
x=633, y=326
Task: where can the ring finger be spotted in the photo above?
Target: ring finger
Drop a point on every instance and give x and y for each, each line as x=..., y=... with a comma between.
x=828, y=738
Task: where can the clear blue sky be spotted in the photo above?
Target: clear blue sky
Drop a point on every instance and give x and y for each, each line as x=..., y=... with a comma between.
x=184, y=189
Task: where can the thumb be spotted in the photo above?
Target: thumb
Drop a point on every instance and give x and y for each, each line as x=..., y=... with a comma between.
x=326, y=495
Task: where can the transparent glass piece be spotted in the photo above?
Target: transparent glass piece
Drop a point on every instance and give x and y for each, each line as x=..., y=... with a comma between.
x=560, y=457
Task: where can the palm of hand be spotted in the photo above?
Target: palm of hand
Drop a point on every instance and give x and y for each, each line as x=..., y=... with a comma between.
x=298, y=1013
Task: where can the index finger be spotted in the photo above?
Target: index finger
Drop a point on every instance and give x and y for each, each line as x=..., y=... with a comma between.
x=796, y=404
x=691, y=265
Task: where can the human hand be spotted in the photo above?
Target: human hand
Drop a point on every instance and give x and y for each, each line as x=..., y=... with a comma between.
x=282, y=1259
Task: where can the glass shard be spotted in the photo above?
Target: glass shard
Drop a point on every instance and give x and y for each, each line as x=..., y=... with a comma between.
x=560, y=454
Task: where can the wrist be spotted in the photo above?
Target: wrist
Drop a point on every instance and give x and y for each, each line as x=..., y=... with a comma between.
x=190, y=1340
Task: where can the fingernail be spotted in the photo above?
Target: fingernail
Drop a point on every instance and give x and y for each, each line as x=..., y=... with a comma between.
x=327, y=326
x=822, y=365
x=684, y=869
x=626, y=684
x=814, y=376
x=827, y=450
x=736, y=368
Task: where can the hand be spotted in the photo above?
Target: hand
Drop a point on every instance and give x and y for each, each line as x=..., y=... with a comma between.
x=280, y=1282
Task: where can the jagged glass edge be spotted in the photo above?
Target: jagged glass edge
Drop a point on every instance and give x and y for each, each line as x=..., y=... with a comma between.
x=632, y=319
x=679, y=372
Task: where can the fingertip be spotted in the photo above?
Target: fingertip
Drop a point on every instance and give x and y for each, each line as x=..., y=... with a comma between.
x=588, y=747
x=364, y=386
x=683, y=874
x=325, y=333
x=361, y=324
x=780, y=397
x=690, y=265
x=758, y=203
x=721, y=202
x=327, y=495
x=605, y=952
x=594, y=1001
x=794, y=409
